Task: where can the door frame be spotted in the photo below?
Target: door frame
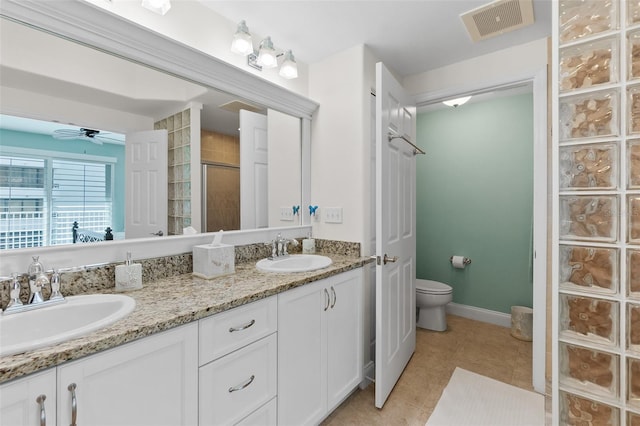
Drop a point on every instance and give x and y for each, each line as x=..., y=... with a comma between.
x=540, y=188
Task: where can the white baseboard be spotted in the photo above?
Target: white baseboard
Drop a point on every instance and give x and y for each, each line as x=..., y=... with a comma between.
x=479, y=314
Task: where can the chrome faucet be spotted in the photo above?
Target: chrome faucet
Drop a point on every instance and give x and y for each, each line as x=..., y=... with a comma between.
x=37, y=281
x=279, y=246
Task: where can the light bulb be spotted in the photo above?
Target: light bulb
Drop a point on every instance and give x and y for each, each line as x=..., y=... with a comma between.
x=289, y=67
x=267, y=54
x=242, y=43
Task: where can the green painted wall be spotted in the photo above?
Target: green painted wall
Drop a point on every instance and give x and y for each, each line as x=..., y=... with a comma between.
x=475, y=198
x=10, y=138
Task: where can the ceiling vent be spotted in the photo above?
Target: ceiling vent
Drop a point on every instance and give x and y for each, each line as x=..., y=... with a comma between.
x=237, y=105
x=497, y=18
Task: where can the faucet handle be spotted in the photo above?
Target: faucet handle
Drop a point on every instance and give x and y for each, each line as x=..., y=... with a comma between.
x=55, y=286
x=14, y=291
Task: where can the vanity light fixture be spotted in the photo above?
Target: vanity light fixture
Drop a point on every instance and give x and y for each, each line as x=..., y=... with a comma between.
x=456, y=102
x=160, y=7
x=266, y=56
x=241, y=43
x=289, y=67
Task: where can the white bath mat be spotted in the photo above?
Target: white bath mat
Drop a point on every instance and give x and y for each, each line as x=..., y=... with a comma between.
x=474, y=400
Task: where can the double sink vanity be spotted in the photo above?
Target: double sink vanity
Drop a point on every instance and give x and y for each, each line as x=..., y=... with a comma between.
x=254, y=347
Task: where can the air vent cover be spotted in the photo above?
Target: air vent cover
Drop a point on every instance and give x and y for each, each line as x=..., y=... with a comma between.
x=497, y=18
x=237, y=105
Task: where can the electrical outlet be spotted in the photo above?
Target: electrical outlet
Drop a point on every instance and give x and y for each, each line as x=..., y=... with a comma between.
x=333, y=214
x=286, y=213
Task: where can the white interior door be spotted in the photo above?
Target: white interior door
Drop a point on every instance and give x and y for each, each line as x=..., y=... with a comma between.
x=146, y=201
x=395, y=232
x=254, y=162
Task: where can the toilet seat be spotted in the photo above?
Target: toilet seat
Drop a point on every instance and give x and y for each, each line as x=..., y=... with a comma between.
x=432, y=287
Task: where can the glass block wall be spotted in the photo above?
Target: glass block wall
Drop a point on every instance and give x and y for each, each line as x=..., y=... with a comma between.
x=178, y=127
x=597, y=193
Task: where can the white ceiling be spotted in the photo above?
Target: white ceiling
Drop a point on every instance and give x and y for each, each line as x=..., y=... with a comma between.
x=409, y=36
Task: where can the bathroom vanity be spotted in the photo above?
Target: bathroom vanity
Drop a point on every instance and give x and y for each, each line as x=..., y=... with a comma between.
x=242, y=349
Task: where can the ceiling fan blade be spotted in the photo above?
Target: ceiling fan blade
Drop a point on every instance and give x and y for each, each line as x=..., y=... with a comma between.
x=67, y=134
x=107, y=139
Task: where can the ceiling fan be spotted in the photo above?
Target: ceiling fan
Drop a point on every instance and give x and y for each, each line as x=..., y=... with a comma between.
x=91, y=135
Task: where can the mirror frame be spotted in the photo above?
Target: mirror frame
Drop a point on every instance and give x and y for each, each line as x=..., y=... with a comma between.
x=84, y=23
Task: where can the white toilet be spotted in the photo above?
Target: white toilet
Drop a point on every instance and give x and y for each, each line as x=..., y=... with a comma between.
x=431, y=299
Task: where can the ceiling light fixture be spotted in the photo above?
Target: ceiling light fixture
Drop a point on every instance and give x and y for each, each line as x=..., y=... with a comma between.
x=266, y=56
x=158, y=6
x=241, y=43
x=456, y=102
x=289, y=67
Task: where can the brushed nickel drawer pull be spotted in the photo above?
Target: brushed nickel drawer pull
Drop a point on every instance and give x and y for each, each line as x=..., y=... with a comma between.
x=43, y=415
x=242, y=327
x=327, y=299
x=333, y=292
x=243, y=385
x=74, y=403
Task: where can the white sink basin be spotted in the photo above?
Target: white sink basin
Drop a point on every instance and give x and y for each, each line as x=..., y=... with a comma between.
x=79, y=315
x=294, y=263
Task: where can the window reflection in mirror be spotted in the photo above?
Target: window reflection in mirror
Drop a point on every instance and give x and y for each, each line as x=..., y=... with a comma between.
x=70, y=86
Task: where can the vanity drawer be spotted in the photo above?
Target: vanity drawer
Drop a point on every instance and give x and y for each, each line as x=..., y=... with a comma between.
x=267, y=415
x=233, y=329
x=236, y=385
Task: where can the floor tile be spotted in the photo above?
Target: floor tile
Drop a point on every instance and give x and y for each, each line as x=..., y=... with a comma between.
x=483, y=348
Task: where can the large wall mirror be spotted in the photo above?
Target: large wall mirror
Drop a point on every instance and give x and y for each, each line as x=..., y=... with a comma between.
x=70, y=115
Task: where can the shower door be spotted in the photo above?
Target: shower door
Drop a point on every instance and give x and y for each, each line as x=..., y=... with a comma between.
x=220, y=197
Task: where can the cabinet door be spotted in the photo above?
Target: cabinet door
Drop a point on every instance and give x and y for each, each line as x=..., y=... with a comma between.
x=345, y=334
x=153, y=381
x=21, y=402
x=302, y=354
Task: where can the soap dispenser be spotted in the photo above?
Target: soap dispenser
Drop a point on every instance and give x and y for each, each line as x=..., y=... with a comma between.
x=129, y=275
x=309, y=245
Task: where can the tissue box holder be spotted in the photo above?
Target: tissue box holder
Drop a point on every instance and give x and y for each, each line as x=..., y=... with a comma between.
x=213, y=261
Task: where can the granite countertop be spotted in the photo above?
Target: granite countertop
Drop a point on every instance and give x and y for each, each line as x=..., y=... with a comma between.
x=170, y=302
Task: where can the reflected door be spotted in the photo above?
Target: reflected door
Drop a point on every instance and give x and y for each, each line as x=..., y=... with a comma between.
x=146, y=189
x=254, y=180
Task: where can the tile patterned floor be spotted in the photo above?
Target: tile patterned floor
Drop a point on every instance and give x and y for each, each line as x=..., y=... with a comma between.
x=483, y=348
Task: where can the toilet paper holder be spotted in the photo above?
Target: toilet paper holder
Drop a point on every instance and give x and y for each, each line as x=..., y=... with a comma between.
x=466, y=260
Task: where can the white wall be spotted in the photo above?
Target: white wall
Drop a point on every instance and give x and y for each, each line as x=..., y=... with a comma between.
x=482, y=71
x=338, y=136
x=285, y=179
x=199, y=27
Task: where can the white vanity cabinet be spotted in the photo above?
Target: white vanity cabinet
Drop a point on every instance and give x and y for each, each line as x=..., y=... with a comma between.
x=30, y=401
x=320, y=348
x=152, y=381
x=288, y=359
x=238, y=364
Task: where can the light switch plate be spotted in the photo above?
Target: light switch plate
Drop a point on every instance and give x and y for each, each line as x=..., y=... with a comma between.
x=333, y=214
x=286, y=213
